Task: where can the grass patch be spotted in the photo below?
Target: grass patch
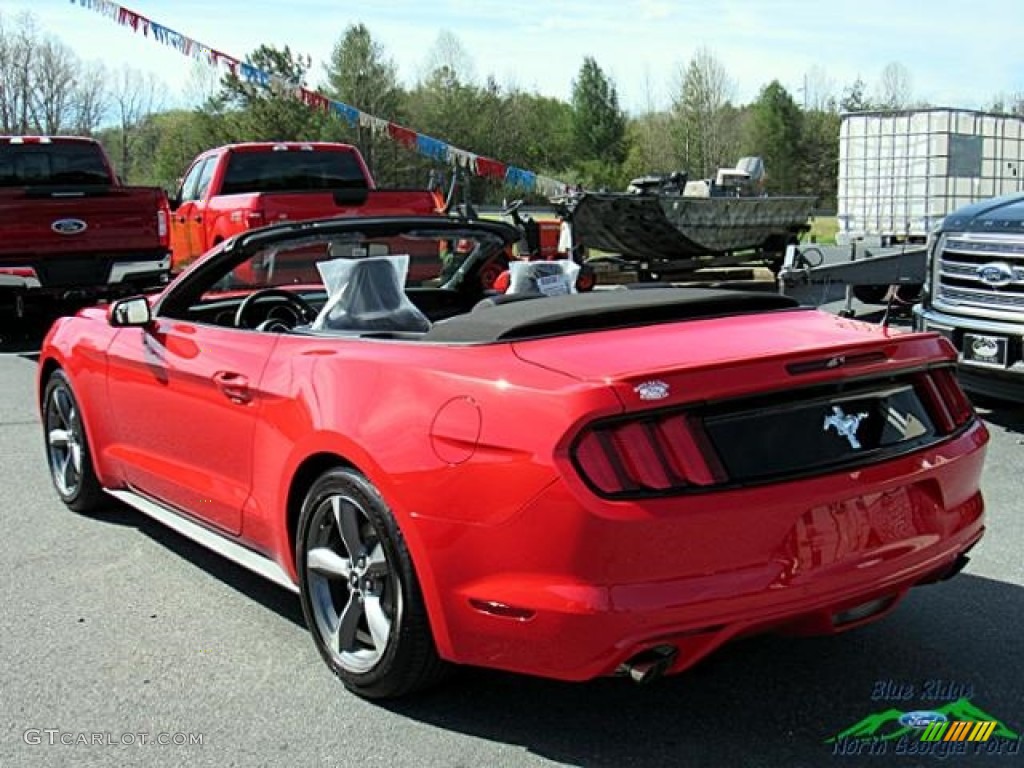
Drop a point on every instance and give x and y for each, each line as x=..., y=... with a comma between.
x=823, y=230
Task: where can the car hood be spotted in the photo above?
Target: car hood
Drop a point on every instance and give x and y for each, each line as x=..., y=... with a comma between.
x=1000, y=214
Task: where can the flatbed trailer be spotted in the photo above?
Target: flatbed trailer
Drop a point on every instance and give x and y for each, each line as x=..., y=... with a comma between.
x=821, y=274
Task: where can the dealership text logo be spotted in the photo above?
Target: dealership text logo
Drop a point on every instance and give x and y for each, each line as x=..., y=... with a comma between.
x=956, y=727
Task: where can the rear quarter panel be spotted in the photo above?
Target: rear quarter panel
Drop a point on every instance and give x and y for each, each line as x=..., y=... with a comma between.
x=410, y=417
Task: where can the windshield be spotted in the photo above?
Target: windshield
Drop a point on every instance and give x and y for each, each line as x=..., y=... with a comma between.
x=24, y=165
x=435, y=259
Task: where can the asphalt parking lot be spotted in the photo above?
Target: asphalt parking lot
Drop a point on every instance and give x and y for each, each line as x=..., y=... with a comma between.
x=115, y=628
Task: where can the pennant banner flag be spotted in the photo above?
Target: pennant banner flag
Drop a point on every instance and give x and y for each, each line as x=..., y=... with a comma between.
x=427, y=146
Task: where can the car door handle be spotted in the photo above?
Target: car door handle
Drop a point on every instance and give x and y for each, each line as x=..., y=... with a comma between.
x=235, y=386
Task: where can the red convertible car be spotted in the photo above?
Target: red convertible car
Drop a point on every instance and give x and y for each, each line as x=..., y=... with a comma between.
x=554, y=483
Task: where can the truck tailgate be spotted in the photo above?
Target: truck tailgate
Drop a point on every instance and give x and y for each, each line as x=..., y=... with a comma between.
x=104, y=220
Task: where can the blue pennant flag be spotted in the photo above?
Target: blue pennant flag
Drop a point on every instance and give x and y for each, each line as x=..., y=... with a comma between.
x=517, y=177
x=349, y=114
x=432, y=147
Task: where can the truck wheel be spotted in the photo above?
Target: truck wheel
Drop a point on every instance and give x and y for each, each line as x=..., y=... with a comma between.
x=67, y=447
x=871, y=294
x=360, y=595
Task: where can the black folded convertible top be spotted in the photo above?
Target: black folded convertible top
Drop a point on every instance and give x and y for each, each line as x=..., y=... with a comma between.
x=599, y=311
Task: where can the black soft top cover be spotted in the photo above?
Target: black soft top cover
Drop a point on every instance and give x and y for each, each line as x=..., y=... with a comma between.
x=599, y=311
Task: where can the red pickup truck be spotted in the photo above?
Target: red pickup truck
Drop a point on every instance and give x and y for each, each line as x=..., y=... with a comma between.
x=237, y=187
x=71, y=228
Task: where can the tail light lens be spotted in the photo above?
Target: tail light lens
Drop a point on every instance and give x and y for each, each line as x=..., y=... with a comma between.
x=651, y=455
x=162, y=228
x=255, y=219
x=945, y=399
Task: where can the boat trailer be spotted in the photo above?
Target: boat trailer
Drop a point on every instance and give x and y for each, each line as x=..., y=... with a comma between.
x=821, y=274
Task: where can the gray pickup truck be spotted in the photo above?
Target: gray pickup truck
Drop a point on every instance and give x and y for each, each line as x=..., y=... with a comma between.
x=974, y=294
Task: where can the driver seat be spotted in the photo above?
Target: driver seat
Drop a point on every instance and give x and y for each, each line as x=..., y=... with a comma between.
x=373, y=300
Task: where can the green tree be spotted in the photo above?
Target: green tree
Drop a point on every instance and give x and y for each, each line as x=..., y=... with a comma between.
x=360, y=74
x=819, y=150
x=855, y=97
x=701, y=110
x=598, y=123
x=545, y=134
x=774, y=133
x=257, y=110
x=445, y=103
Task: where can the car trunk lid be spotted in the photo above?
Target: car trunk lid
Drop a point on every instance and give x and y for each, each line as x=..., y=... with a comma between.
x=730, y=356
x=754, y=398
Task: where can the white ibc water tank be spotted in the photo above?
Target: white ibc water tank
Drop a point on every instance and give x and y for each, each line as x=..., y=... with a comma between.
x=900, y=173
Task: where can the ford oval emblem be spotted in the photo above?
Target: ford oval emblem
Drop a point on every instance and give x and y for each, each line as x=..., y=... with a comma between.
x=921, y=719
x=69, y=226
x=996, y=274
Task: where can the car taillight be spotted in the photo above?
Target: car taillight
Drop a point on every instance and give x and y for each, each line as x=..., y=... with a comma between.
x=255, y=219
x=944, y=399
x=162, y=229
x=650, y=455
x=18, y=271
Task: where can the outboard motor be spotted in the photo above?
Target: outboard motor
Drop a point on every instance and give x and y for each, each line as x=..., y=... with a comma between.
x=659, y=184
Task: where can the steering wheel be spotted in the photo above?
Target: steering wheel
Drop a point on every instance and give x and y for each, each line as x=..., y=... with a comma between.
x=512, y=208
x=302, y=309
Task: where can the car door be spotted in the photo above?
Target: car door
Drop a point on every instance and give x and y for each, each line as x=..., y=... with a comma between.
x=198, y=223
x=184, y=403
x=181, y=218
x=187, y=237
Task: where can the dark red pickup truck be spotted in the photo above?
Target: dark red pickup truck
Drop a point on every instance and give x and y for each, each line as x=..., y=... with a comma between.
x=230, y=189
x=69, y=227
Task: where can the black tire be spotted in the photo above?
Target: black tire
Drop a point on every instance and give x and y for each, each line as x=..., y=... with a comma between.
x=871, y=294
x=360, y=568
x=67, y=447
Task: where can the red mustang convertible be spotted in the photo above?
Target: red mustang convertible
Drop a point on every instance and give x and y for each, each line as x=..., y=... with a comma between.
x=554, y=483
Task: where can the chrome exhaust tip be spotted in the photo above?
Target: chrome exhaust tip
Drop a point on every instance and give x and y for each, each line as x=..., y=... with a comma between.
x=649, y=665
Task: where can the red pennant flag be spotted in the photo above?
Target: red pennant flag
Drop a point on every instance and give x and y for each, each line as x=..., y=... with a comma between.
x=403, y=136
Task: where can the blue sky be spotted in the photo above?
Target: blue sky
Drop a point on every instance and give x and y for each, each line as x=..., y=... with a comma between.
x=958, y=54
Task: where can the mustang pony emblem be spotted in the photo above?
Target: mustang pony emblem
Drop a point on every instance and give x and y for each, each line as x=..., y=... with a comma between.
x=845, y=424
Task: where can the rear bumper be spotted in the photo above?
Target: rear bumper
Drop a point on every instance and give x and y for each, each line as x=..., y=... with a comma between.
x=817, y=557
x=19, y=278
x=1002, y=383
x=87, y=275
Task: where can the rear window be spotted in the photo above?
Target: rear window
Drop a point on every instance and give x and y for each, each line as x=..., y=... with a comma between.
x=293, y=170
x=58, y=164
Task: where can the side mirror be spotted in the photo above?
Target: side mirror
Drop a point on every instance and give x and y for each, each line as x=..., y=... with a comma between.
x=174, y=198
x=132, y=312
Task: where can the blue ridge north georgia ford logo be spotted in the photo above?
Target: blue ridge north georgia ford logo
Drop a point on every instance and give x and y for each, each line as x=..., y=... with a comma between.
x=69, y=226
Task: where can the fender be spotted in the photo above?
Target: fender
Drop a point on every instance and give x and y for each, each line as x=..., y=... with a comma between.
x=83, y=358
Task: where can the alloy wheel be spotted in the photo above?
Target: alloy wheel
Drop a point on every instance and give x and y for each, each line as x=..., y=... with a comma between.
x=64, y=441
x=354, y=591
